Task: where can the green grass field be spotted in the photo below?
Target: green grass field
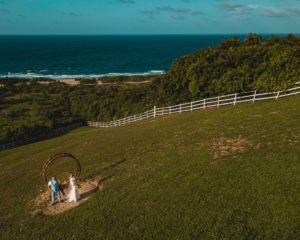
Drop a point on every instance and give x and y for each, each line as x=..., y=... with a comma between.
x=229, y=173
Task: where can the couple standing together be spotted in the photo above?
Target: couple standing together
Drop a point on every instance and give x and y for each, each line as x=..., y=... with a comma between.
x=55, y=187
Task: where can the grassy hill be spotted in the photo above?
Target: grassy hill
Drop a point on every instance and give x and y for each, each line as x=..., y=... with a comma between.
x=230, y=173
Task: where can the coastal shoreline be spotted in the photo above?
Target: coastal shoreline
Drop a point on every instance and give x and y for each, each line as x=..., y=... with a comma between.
x=112, y=80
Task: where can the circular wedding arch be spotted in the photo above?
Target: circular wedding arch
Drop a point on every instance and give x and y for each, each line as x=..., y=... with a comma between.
x=57, y=157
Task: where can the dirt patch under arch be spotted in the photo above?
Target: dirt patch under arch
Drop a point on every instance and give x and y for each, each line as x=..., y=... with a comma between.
x=42, y=203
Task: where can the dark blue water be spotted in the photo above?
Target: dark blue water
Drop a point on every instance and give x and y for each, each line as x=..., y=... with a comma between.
x=71, y=56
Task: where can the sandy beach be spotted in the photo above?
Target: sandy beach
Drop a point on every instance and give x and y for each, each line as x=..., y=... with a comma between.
x=69, y=81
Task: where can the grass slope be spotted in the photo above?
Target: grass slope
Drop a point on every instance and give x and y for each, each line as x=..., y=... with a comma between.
x=230, y=173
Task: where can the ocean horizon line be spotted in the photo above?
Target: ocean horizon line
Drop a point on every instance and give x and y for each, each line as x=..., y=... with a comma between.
x=151, y=34
x=77, y=76
x=96, y=56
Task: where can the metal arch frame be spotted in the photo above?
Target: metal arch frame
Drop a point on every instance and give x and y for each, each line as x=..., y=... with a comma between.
x=56, y=157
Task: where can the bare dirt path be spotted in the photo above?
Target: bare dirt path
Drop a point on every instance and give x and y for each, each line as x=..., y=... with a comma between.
x=42, y=205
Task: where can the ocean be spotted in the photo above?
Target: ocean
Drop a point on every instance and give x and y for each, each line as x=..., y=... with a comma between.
x=96, y=56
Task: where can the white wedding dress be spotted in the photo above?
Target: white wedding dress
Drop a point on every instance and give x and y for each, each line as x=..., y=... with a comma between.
x=73, y=194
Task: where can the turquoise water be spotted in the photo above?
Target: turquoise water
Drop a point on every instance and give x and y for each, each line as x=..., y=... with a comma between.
x=85, y=56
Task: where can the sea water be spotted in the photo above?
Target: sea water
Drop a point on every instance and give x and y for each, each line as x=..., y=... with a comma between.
x=94, y=56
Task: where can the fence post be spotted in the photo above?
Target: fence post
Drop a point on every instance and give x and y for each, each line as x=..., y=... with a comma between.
x=254, y=96
x=277, y=96
x=204, y=103
x=218, y=101
x=235, y=96
x=180, y=108
x=154, y=111
x=191, y=106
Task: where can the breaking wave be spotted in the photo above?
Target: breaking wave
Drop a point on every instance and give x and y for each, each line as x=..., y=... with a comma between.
x=41, y=74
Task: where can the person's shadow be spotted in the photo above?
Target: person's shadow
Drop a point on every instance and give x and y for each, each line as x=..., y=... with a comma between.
x=88, y=193
x=98, y=184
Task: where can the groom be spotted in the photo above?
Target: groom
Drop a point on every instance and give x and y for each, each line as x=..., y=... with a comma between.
x=54, y=186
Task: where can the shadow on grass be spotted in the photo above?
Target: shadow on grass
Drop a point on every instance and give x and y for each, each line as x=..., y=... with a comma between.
x=106, y=178
x=113, y=165
x=88, y=193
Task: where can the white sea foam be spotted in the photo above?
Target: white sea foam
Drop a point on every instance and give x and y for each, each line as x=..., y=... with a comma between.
x=69, y=76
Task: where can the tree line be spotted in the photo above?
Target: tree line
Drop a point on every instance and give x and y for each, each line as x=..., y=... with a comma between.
x=29, y=107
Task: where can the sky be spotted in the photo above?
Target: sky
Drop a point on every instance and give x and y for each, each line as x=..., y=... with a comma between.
x=149, y=16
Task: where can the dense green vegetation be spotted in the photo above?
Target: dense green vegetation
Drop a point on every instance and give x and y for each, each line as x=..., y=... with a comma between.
x=31, y=109
x=229, y=173
x=28, y=107
x=234, y=66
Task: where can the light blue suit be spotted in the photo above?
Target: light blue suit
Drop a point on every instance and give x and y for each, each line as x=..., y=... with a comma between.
x=54, y=184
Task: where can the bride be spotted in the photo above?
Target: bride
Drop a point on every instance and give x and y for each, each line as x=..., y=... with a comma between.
x=73, y=194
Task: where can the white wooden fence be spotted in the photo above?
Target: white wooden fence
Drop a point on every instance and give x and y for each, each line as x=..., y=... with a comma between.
x=230, y=99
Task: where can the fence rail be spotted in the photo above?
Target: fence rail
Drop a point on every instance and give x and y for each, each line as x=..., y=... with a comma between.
x=52, y=133
x=213, y=102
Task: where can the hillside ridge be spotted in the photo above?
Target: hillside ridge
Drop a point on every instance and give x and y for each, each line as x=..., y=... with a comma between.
x=230, y=173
